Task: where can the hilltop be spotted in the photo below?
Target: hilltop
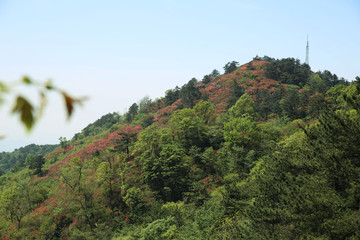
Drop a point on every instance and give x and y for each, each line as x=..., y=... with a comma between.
x=264, y=151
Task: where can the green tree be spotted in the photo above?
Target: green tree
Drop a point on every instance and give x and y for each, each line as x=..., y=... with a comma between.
x=189, y=128
x=63, y=142
x=309, y=186
x=208, y=216
x=330, y=79
x=288, y=71
x=334, y=96
x=35, y=163
x=241, y=136
x=132, y=112
x=236, y=93
x=206, y=111
x=160, y=229
x=291, y=104
x=171, y=96
x=241, y=132
x=16, y=202
x=214, y=73
x=74, y=176
x=164, y=163
x=110, y=177
x=244, y=105
x=206, y=79
x=230, y=67
x=357, y=80
x=144, y=102
x=190, y=93
x=317, y=84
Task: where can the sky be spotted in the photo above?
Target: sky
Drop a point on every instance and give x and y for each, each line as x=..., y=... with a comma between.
x=117, y=52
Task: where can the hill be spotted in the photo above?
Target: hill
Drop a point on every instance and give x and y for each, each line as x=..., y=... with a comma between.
x=264, y=151
x=16, y=160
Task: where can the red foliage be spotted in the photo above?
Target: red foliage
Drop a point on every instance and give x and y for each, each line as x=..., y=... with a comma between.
x=207, y=180
x=68, y=148
x=130, y=130
x=73, y=223
x=127, y=219
x=168, y=110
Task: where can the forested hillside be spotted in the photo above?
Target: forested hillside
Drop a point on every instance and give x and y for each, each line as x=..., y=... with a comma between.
x=16, y=160
x=267, y=150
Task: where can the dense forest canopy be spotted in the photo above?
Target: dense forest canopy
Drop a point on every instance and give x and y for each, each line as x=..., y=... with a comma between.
x=16, y=160
x=267, y=150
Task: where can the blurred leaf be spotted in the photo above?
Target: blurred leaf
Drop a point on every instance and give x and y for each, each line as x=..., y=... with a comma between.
x=49, y=85
x=3, y=87
x=25, y=109
x=26, y=80
x=69, y=103
x=43, y=102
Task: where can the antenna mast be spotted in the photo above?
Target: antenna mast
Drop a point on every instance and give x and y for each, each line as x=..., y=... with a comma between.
x=307, y=51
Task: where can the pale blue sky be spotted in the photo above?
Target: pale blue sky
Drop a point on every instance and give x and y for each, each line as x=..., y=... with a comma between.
x=116, y=52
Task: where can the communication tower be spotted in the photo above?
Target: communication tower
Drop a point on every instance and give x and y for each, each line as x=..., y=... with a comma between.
x=307, y=51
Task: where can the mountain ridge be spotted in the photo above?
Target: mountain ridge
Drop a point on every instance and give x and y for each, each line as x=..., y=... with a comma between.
x=199, y=161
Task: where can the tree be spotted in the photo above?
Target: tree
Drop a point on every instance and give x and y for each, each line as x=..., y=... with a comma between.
x=214, y=73
x=273, y=213
x=236, y=93
x=230, y=67
x=241, y=135
x=163, y=163
x=242, y=132
x=190, y=93
x=206, y=111
x=132, y=112
x=309, y=185
x=290, y=104
x=266, y=103
x=288, y=71
x=317, y=84
x=35, y=163
x=15, y=201
x=206, y=79
x=73, y=175
x=171, y=96
x=188, y=128
x=109, y=175
x=161, y=229
x=357, y=79
x=330, y=79
x=244, y=105
x=128, y=138
x=63, y=143
x=144, y=102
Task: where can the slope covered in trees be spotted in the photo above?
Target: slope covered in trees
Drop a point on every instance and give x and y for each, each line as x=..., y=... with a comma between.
x=16, y=159
x=267, y=150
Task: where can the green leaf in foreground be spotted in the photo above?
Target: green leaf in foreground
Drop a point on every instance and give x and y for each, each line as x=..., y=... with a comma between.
x=25, y=109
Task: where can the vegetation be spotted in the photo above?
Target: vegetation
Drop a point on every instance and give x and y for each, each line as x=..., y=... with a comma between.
x=266, y=151
x=16, y=160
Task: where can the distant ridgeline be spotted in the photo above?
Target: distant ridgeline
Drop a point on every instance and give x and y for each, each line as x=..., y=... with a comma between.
x=267, y=150
x=16, y=159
